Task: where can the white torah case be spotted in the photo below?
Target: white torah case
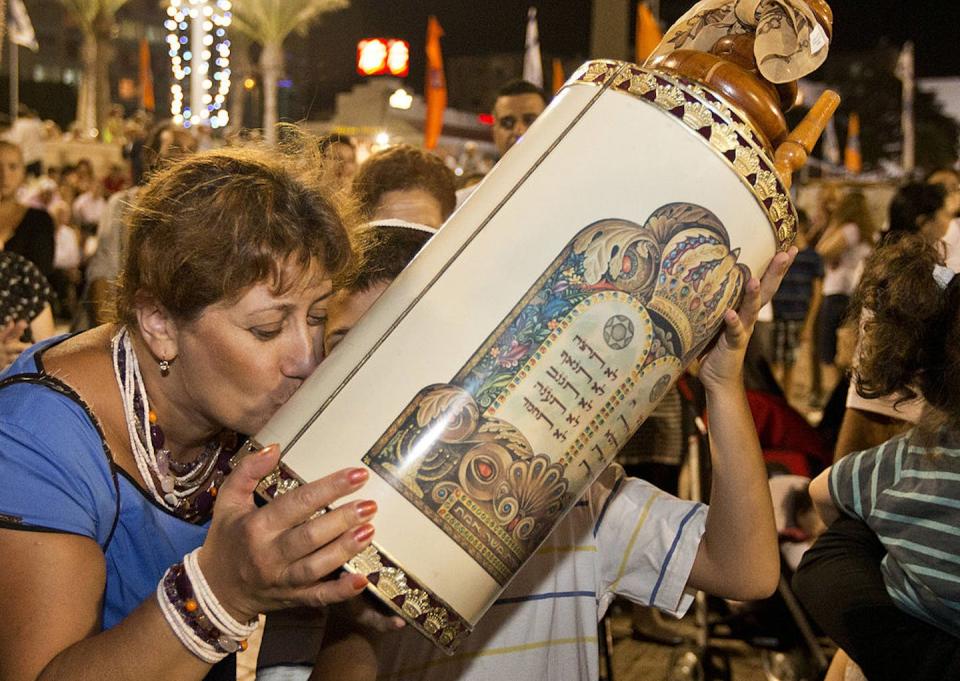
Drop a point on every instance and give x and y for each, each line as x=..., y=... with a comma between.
x=505, y=367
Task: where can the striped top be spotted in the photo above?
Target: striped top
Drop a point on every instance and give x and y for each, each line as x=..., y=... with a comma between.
x=910, y=496
x=626, y=537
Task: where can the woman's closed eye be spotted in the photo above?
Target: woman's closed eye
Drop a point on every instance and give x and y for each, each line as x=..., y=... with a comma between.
x=265, y=333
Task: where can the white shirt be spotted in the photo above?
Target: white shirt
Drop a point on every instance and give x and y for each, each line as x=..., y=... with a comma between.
x=87, y=208
x=27, y=133
x=951, y=243
x=111, y=237
x=840, y=277
x=625, y=538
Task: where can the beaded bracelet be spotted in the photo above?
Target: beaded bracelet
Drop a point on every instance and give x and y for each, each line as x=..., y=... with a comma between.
x=197, y=618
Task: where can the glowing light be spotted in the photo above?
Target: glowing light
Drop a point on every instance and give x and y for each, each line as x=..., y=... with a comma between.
x=382, y=139
x=371, y=56
x=380, y=56
x=398, y=58
x=401, y=99
x=195, y=32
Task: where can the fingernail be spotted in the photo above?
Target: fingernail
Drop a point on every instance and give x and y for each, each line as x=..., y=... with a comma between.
x=357, y=475
x=363, y=533
x=358, y=581
x=268, y=450
x=365, y=509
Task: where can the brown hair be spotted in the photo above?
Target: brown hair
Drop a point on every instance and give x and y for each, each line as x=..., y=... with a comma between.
x=382, y=253
x=853, y=208
x=404, y=167
x=206, y=228
x=911, y=337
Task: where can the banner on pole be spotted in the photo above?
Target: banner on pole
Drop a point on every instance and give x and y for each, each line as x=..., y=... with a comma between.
x=20, y=27
x=852, y=160
x=532, y=64
x=648, y=34
x=436, y=86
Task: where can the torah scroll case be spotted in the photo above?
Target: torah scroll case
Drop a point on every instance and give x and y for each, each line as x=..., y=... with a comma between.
x=505, y=367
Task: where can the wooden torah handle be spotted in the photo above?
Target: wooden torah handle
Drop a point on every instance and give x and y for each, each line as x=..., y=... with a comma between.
x=792, y=154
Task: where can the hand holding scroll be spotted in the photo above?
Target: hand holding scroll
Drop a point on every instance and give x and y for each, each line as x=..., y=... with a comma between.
x=262, y=559
x=724, y=361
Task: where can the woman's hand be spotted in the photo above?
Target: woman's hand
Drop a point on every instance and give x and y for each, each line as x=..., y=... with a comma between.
x=262, y=559
x=10, y=344
x=723, y=363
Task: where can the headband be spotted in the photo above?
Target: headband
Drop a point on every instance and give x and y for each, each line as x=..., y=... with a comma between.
x=943, y=275
x=401, y=224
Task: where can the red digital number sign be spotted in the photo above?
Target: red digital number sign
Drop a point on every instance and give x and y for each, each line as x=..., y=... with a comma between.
x=383, y=56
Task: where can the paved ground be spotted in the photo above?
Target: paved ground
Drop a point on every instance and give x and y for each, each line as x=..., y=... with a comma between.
x=641, y=661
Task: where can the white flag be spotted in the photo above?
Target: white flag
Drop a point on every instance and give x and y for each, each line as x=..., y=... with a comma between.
x=831, y=146
x=904, y=67
x=532, y=65
x=20, y=26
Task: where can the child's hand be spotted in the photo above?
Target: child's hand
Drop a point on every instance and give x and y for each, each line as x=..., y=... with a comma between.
x=723, y=363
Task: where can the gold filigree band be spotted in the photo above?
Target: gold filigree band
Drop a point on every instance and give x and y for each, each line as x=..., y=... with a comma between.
x=718, y=123
x=395, y=586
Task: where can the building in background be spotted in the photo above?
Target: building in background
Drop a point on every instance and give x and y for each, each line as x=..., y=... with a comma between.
x=49, y=77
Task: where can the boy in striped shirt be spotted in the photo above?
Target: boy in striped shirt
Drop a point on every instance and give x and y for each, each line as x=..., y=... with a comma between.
x=625, y=537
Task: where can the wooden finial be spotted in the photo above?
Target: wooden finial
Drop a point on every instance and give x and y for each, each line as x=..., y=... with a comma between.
x=792, y=154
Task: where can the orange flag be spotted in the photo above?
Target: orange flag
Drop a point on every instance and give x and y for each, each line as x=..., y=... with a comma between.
x=852, y=160
x=648, y=33
x=558, y=77
x=147, y=100
x=436, y=87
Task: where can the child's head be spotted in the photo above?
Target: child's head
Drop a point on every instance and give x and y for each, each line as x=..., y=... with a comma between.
x=406, y=183
x=383, y=250
x=911, y=337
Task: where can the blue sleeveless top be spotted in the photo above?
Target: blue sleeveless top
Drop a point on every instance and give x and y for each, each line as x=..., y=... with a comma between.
x=57, y=475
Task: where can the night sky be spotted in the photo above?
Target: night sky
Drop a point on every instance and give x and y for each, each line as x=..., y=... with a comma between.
x=477, y=27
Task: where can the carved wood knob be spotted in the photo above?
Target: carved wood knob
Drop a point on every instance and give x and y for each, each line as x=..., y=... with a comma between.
x=823, y=13
x=793, y=153
x=755, y=97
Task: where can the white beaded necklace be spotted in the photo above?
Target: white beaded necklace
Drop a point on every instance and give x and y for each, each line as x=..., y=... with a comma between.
x=167, y=487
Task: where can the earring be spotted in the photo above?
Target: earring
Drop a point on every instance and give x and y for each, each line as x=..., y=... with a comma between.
x=164, y=367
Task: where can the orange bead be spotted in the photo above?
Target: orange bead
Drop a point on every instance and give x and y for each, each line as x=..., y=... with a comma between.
x=152, y=416
x=243, y=645
x=190, y=605
x=213, y=490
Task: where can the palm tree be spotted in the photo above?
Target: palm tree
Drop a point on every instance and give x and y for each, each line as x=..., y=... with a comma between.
x=3, y=33
x=269, y=23
x=96, y=20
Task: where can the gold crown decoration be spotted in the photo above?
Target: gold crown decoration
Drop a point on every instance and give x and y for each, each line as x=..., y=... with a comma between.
x=367, y=561
x=435, y=620
x=415, y=603
x=391, y=582
x=698, y=280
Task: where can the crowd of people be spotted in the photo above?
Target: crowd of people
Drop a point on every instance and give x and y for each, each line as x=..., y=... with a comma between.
x=203, y=287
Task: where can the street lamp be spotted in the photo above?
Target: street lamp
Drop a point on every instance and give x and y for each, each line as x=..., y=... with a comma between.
x=200, y=58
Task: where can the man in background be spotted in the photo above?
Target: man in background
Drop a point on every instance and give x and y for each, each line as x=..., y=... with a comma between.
x=516, y=107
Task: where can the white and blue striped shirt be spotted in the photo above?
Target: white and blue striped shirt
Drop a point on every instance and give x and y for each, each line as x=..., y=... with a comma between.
x=626, y=537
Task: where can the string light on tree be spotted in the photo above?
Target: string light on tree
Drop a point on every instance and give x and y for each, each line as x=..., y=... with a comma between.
x=200, y=59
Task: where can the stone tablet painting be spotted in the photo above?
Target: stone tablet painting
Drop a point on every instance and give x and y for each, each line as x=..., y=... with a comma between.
x=498, y=454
